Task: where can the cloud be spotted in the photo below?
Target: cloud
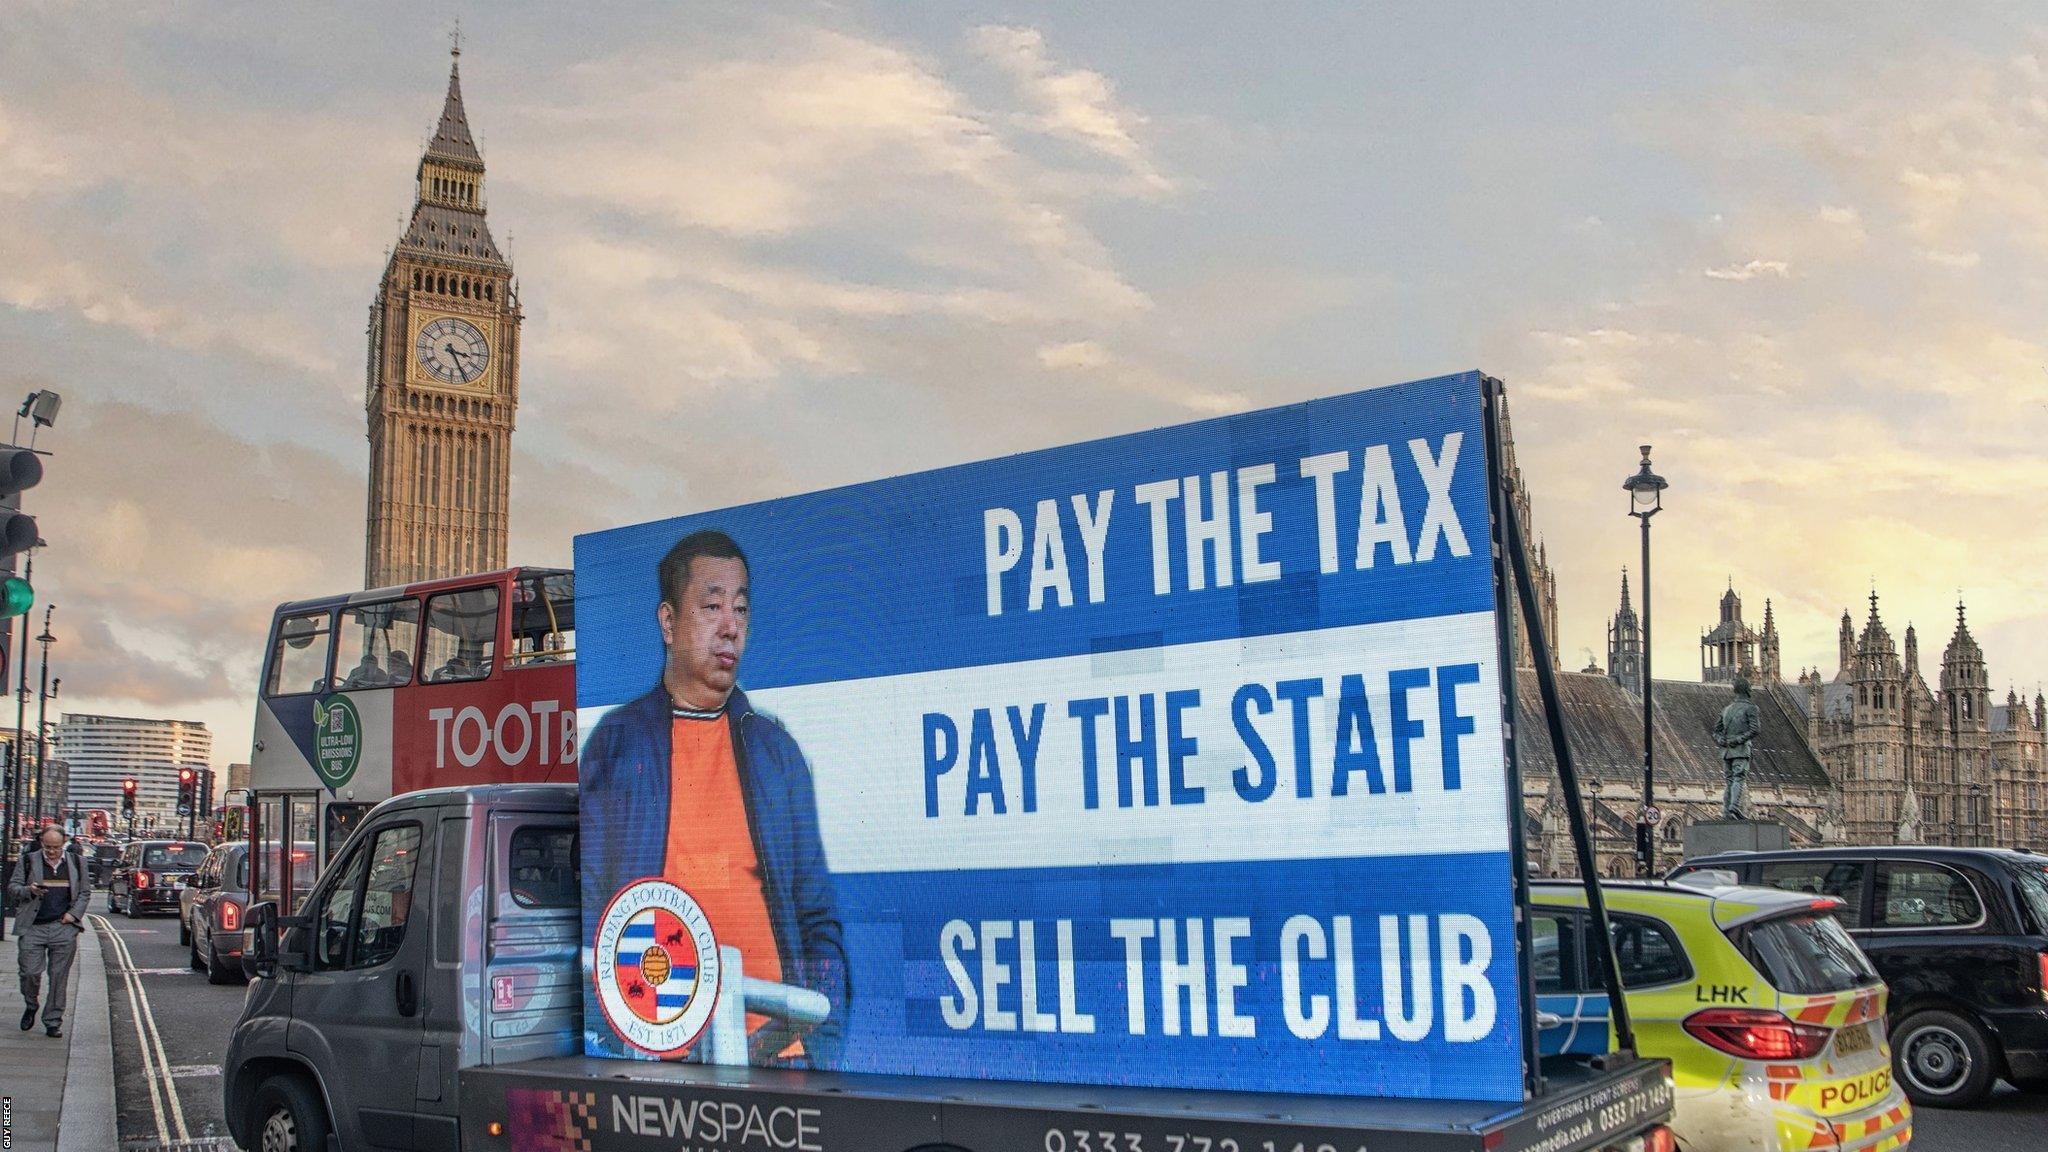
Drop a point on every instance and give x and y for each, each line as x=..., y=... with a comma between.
x=1750, y=271
x=762, y=254
x=1952, y=259
x=1073, y=354
x=170, y=541
x=1848, y=220
x=1863, y=420
x=798, y=211
x=1074, y=104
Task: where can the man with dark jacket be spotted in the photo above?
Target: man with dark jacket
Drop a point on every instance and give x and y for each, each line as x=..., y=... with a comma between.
x=691, y=784
x=50, y=890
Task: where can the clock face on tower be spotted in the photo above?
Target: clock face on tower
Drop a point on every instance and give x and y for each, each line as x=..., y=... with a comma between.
x=452, y=350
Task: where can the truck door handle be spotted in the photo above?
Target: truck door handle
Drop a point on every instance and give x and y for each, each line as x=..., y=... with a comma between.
x=408, y=995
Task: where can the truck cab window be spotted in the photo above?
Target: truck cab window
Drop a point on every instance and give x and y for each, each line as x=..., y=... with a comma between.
x=387, y=897
x=462, y=636
x=337, y=908
x=377, y=643
x=298, y=657
x=342, y=818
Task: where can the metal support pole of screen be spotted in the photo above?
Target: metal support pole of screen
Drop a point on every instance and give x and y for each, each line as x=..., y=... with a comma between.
x=1567, y=771
x=1504, y=657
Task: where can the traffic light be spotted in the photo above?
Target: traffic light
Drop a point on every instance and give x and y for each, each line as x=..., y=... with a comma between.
x=128, y=796
x=20, y=470
x=185, y=777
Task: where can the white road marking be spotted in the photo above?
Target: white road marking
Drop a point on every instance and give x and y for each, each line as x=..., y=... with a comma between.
x=113, y=944
x=155, y=1062
x=184, y=1070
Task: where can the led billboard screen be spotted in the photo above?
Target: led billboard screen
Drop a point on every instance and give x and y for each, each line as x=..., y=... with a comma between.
x=1169, y=759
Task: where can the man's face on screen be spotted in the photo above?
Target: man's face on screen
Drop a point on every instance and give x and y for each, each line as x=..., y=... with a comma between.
x=706, y=632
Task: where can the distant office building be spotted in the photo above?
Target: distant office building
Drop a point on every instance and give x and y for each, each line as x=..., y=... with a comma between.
x=54, y=780
x=104, y=750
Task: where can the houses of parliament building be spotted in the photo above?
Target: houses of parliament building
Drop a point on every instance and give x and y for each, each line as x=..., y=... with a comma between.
x=1871, y=753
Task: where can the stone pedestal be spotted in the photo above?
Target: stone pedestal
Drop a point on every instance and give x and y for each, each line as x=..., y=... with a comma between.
x=1712, y=837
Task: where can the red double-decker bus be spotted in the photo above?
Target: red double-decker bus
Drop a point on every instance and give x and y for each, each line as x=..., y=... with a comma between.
x=366, y=695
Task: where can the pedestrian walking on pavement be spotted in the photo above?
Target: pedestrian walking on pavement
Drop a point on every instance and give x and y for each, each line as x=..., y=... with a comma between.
x=50, y=890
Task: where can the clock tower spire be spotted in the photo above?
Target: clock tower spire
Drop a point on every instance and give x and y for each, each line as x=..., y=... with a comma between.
x=443, y=378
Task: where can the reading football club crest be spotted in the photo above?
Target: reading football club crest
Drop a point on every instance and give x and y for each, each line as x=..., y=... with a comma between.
x=337, y=741
x=656, y=967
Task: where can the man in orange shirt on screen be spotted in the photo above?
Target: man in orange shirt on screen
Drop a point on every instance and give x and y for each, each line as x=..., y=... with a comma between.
x=690, y=783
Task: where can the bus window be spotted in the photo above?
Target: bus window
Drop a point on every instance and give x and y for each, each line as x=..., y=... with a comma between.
x=462, y=636
x=376, y=644
x=298, y=663
x=544, y=618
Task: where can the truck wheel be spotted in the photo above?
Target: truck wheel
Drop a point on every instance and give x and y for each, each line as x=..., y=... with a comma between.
x=1943, y=1060
x=288, y=1117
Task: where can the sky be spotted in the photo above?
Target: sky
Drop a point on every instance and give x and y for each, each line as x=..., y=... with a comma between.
x=765, y=249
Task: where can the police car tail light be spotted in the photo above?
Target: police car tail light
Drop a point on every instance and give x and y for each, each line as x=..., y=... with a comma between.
x=1755, y=1035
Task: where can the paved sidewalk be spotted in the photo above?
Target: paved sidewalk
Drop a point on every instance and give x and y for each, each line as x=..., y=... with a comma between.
x=59, y=1093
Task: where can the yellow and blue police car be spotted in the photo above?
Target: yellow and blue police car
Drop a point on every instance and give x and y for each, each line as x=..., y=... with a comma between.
x=1772, y=1018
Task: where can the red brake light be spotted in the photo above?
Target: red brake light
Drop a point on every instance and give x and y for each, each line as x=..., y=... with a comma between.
x=142, y=879
x=2044, y=975
x=230, y=916
x=1660, y=1139
x=1755, y=1035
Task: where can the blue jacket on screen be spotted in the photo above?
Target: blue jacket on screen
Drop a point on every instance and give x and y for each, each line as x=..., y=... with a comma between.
x=625, y=796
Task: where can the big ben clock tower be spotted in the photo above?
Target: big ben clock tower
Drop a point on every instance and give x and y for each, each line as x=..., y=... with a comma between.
x=443, y=375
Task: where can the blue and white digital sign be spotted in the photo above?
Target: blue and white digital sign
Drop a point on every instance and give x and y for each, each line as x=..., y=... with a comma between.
x=1170, y=759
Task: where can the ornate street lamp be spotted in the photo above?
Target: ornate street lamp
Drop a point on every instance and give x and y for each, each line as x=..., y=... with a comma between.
x=1646, y=499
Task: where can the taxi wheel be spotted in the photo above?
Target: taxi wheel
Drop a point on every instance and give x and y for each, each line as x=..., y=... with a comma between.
x=216, y=971
x=184, y=929
x=1943, y=1060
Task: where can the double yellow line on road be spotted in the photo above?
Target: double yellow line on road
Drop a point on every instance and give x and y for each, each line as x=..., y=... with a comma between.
x=156, y=1066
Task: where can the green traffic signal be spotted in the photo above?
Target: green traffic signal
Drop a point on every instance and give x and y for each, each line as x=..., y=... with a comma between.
x=16, y=597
